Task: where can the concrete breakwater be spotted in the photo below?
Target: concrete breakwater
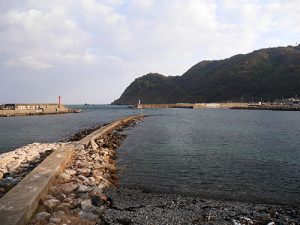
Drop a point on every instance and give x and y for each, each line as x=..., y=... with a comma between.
x=34, y=112
x=269, y=107
x=192, y=105
x=90, y=169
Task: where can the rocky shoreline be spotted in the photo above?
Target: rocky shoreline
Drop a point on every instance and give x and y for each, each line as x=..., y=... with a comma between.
x=77, y=195
x=15, y=165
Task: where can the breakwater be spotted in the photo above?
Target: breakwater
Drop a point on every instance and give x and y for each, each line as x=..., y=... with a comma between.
x=35, y=112
x=192, y=105
x=268, y=107
x=90, y=169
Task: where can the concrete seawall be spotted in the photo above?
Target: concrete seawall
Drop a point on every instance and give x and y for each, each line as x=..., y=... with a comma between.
x=18, y=205
x=28, y=112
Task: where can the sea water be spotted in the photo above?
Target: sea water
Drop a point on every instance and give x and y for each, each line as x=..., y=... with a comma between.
x=215, y=153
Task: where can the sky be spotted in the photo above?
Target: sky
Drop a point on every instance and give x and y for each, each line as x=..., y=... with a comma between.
x=89, y=51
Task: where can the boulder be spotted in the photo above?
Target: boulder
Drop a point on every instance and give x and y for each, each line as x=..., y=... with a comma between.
x=83, y=179
x=55, y=220
x=84, y=171
x=83, y=188
x=86, y=204
x=13, y=165
x=70, y=172
x=68, y=187
x=64, y=177
x=51, y=203
x=109, y=166
x=43, y=216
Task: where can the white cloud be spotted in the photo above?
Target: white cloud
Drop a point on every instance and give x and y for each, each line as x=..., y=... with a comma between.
x=27, y=61
x=121, y=39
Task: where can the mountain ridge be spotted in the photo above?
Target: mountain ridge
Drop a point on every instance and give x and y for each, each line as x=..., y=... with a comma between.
x=265, y=74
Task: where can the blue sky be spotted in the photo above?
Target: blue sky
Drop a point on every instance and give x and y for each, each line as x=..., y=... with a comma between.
x=90, y=51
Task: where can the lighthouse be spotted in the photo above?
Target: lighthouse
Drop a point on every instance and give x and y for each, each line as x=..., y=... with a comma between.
x=59, y=101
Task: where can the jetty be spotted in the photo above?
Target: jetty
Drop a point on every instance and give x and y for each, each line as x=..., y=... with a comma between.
x=291, y=104
x=191, y=105
x=72, y=177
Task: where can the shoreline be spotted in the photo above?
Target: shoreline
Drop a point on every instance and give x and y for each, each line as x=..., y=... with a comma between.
x=129, y=206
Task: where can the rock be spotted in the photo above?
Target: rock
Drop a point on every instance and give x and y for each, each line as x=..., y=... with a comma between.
x=64, y=177
x=109, y=166
x=83, y=188
x=87, y=215
x=106, y=183
x=93, y=145
x=96, y=201
x=86, y=204
x=92, y=180
x=98, y=172
x=51, y=203
x=43, y=216
x=83, y=178
x=55, y=220
x=97, y=165
x=70, y=172
x=1, y=175
x=68, y=187
x=101, y=186
x=64, y=206
x=13, y=165
x=84, y=171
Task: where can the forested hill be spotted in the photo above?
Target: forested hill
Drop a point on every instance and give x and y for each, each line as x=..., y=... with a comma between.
x=263, y=74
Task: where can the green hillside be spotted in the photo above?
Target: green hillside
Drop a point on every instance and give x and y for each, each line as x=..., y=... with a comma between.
x=263, y=74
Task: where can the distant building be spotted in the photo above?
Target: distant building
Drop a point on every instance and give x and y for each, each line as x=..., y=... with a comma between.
x=291, y=102
x=43, y=107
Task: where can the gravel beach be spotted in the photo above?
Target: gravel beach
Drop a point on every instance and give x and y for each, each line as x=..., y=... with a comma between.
x=130, y=206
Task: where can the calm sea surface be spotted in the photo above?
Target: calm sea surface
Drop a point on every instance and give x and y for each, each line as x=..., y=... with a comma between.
x=219, y=153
